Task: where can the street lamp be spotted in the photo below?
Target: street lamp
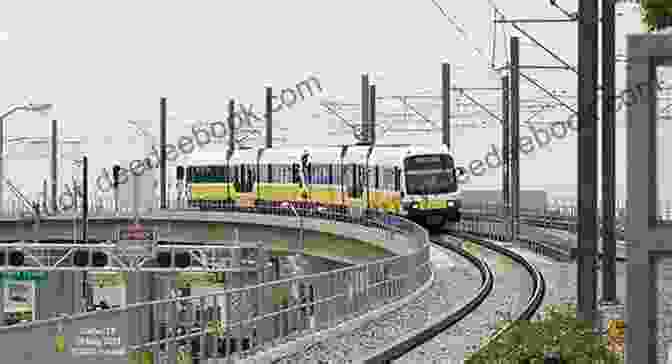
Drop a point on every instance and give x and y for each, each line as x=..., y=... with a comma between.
x=41, y=108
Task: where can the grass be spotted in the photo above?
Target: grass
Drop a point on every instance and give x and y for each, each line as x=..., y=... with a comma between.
x=330, y=245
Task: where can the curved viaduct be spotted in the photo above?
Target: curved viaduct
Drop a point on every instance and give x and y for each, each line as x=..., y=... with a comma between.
x=392, y=280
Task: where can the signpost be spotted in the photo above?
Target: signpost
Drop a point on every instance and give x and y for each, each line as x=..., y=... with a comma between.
x=23, y=276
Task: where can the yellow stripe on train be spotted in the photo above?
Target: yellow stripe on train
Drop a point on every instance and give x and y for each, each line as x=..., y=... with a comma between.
x=327, y=195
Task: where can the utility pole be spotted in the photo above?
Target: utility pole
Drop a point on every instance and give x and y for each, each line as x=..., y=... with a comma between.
x=506, y=144
x=162, y=142
x=515, y=135
x=85, y=199
x=372, y=114
x=85, y=226
x=269, y=117
x=608, y=151
x=269, y=132
x=587, y=160
x=445, y=104
x=366, y=101
x=54, y=166
x=232, y=145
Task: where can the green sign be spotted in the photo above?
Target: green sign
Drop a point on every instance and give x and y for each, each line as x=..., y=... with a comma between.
x=24, y=276
x=199, y=280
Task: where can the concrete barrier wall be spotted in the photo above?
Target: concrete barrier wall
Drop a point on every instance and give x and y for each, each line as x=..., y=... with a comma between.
x=529, y=199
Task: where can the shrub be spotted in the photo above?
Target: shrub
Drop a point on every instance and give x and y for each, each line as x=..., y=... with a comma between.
x=558, y=330
x=656, y=14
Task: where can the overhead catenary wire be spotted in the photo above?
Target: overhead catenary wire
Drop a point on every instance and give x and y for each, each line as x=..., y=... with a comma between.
x=461, y=30
x=466, y=37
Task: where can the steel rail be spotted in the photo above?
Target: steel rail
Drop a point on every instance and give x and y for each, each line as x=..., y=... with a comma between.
x=405, y=345
x=538, y=281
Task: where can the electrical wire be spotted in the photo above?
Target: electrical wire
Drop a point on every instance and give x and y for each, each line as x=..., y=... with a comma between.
x=466, y=37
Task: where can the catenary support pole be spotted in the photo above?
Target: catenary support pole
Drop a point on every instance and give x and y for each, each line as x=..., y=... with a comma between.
x=54, y=166
x=85, y=199
x=269, y=117
x=269, y=131
x=445, y=104
x=372, y=114
x=515, y=135
x=365, y=109
x=162, y=143
x=506, y=147
x=608, y=151
x=587, y=160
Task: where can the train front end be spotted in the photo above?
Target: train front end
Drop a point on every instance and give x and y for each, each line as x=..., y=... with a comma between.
x=430, y=191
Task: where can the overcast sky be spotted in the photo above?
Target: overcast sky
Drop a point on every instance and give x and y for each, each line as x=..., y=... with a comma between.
x=103, y=63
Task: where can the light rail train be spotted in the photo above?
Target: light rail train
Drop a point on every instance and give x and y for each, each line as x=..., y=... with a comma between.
x=416, y=182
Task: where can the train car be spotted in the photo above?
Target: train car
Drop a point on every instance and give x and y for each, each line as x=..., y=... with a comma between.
x=418, y=182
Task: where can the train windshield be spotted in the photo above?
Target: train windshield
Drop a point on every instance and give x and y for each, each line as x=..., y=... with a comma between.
x=430, y=174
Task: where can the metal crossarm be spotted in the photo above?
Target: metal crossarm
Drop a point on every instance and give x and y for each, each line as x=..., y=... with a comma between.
x=58, y=257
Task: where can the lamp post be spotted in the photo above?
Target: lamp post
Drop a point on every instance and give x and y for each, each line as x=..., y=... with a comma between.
x=3, y=139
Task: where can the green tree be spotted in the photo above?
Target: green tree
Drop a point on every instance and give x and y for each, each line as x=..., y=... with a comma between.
x=656, y=14
x=558, y=330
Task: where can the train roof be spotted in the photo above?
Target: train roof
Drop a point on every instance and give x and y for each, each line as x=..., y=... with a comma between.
x=379, y=154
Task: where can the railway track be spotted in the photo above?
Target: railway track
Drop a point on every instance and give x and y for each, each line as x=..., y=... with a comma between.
x=456, y=280
x=414, y=339
x=402, y=340
x=449, y=339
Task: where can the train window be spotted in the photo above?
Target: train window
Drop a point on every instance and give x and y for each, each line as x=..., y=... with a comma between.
x=427, y=162
x=276, y=173
x=363, y=174
x=387, y=178
x=330, y=173
x=190, y=173
x=286, y=172
x=250, y=178
x=397, y=179
x=228, y=175
x=377, y=177
x=320, y=174
x=316, y=177
x=307, y=172
x=243, y=178
x=260, y=173
x=347, y=176
x=282, y=173
x=357, y=181
x=263, y=173
x=295, y=173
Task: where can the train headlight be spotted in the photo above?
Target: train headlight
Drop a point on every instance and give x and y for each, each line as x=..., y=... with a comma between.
x=451, y=203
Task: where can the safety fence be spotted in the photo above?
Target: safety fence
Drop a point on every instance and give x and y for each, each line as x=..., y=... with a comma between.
x=237, y=323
